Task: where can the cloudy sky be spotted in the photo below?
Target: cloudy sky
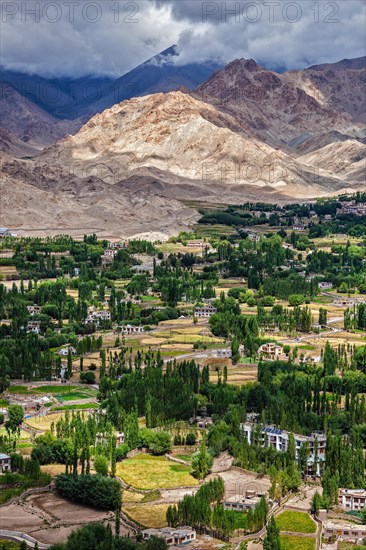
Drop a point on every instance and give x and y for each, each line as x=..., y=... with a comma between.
x=108, y=37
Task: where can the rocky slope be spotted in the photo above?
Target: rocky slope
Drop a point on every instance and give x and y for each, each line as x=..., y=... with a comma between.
x=183, y=137
x=28, y=124
x=39, y=199
x=245, y=134
x=286, y=109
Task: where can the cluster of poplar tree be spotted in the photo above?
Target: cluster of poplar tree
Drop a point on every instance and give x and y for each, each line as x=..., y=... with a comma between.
x=205, y=509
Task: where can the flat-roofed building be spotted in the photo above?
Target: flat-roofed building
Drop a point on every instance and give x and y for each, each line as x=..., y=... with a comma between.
x=172, y=536
x=351, y=532
x=352, y=499
x=205, y=311
x=5, y=463
x=241, y=504
x=271, y=436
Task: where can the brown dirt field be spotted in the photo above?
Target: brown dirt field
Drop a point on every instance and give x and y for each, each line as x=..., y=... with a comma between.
x=237, y=482
x=7, y=269
x=50, y=518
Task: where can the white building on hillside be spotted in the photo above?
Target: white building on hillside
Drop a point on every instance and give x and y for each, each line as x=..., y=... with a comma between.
x=268, y=435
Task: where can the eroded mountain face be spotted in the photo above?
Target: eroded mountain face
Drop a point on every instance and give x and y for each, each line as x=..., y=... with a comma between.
x=245, y=134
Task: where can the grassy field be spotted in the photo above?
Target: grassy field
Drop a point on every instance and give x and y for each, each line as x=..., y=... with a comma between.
x=148, y=516
x=297, y=543
x=154, y=472
x=298, y=522
x=8, y=545
x=43, y=423
x=350, y=546
x=78, y=407
x=53, y=469
x=23, y=433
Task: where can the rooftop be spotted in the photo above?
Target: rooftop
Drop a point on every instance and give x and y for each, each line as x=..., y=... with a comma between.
x=3, y=456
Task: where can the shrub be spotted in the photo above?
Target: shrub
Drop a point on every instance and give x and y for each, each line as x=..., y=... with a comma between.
x=121, y=452
x=87, y=377
x=191, y=439
x=296, y=299
x=160, y=443
x=93, y=490
x=101, y=465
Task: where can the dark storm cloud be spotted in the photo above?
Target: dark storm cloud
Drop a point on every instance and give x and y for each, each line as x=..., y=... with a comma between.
x=108, y=37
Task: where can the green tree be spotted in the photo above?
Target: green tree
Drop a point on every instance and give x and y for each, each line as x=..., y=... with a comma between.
x=272, y=539
x=15, y=418
x=101, y=465
x=202, y=461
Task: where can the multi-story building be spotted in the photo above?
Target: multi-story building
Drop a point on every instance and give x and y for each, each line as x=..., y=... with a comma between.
x=95, y=316
x=271, y=351
x=34, y=327
x=352, y=499
x=205, y=311
x=33, y=310
x=268, y=435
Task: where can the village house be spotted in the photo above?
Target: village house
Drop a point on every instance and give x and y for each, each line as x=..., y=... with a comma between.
x=325, y=285
x=224, y=353
x=4, y=413
x=110, y=253
x=108, y=257
x=343, y=302
x=271, y=351
x=34, y=310
x=309, y=359
x=204, y=423
x=102, y=438
x=350, y=532
x=352, y=499
x=352, y=207
x=64, y=352
x=205, y=311
x=172, y=536
x=196, y=244
x=4, y=232
x=76, y=271
x=131, y=329
x=34, y=327
x=254, y=237
x=278, y=439
x=242, y=504
x=118, y=244
x=5, y=463
x=95, y=316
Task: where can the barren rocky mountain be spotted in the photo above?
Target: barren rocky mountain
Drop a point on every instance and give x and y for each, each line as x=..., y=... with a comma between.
x=178, y=134
x=245, y=134
x=39, y=199
x=339, y=86
x=286, y=109
x=28, y=124
x=346, y=159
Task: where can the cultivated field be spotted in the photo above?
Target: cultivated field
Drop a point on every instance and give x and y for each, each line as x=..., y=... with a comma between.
x=298, y=522
x=297, y=543
x=154, y=472
x=148, y=515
